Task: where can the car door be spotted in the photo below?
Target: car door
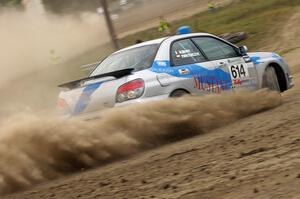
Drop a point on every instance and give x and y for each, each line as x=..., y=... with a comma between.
x=230, y=67
x=190, y=63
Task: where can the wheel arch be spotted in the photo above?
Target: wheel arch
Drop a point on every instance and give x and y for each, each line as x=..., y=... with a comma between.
x=179, y=89
x=282, y=81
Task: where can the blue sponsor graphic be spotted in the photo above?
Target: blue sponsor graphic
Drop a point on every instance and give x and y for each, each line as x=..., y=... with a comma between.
x=165, y=67
x=256, y=60
x=85, y=97
x=199, y=73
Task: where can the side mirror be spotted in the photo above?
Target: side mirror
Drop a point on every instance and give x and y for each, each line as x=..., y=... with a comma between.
x=243, y=50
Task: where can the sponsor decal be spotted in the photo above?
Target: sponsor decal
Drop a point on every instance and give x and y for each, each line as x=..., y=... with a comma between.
x=211, y=84
x=240, y=82
x=186, y=53
x=161, y=63
x=184, y=71
x=236, y=82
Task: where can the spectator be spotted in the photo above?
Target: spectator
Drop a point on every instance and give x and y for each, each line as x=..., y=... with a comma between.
x=211, y=6
x=163, y=26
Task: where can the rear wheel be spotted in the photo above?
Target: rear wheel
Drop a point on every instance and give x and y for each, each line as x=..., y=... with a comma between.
x=270, y=79
x=179, y=93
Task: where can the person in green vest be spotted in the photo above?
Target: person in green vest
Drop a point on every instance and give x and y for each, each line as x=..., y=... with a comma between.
x=163, y=26
x=211, y=6
x=55, y=59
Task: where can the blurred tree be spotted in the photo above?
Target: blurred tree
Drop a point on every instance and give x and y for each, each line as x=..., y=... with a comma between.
x=10, y=2
x=62, y=6
x=71, y=6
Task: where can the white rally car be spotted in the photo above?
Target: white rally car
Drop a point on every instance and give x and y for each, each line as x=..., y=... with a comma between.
x=197, y=63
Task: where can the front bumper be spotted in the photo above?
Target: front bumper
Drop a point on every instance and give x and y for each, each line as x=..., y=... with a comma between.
x=290, y=81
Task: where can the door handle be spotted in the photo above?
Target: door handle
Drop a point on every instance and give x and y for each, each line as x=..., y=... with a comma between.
x=221, y=65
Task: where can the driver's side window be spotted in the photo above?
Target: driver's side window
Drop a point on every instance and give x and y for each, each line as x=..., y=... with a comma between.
x=185, y=52
x=215, y=49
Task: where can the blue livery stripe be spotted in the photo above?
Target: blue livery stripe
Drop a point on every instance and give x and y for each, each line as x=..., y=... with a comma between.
x=197, y=71
x=85, y=98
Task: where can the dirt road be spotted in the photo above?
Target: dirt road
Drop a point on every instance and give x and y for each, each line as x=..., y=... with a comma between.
x=256, y=157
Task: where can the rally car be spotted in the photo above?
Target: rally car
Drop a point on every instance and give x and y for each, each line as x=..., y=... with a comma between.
x=196, y=63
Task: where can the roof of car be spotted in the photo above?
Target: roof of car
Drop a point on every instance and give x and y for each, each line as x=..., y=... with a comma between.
x=158, y=41
x=146, y=43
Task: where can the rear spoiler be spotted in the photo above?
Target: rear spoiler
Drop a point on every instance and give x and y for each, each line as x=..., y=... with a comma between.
x=117, y=74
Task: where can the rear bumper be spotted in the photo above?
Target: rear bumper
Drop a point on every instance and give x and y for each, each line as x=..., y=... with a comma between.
x=86, y=116
x=94, y=115
x=143, y=100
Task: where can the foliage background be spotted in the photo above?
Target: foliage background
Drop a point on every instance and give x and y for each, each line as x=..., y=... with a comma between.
x=61, y=6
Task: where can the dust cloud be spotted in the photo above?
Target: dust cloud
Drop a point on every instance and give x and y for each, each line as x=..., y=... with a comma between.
x=36, y=148
x=36, y=53
x=30, y=42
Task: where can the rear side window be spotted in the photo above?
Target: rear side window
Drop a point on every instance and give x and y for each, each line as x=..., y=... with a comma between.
x=215, y=49
x=137, y=58
x=184, y=52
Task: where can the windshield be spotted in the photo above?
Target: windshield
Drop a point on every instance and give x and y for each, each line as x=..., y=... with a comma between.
x=138, y=58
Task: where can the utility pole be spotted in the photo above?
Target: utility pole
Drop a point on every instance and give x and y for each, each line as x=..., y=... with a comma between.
x=110, y=25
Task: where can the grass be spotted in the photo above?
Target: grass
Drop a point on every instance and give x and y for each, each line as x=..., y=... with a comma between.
x=257, y=18
x=260, y=19
x=285, y=51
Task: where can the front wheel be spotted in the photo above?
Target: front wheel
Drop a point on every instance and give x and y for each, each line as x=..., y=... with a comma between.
x=270, y=80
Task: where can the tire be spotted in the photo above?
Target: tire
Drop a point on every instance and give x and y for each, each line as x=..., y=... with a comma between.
x=178, y=93
x=270, y=79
